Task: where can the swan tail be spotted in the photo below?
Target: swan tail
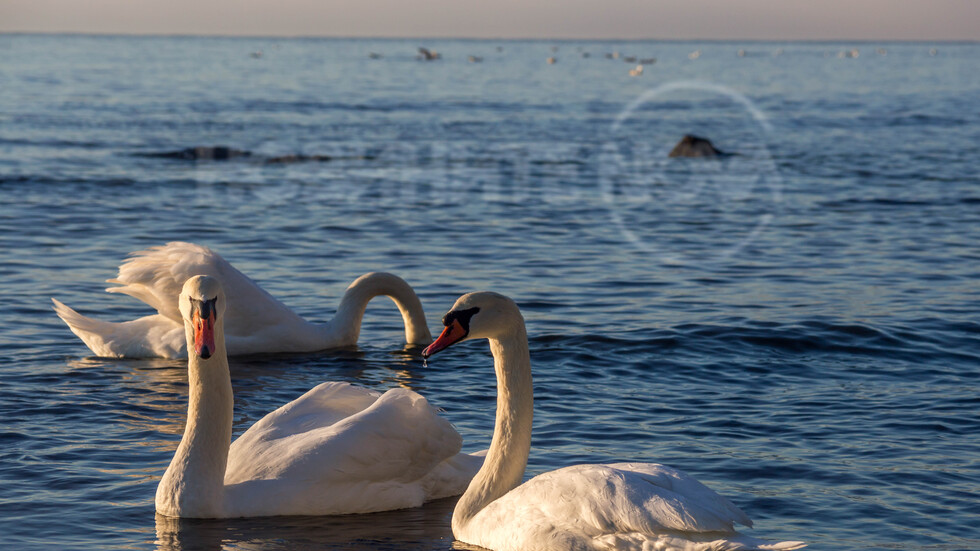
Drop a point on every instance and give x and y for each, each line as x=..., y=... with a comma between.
x=148, y=337
x=452, y=476
x=738, y=542
x=690, y=542
x=92, y=332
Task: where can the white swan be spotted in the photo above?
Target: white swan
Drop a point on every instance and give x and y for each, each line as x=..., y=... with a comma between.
x=634, y=506
x=337, y=449
x=257, y=322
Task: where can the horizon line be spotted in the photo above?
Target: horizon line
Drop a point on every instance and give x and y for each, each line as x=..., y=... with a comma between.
x=498, y=39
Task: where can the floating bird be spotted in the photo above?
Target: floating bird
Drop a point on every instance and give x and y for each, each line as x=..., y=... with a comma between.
x=337, y=449
x=622, y=506
x=427, y=54
x=259, y=323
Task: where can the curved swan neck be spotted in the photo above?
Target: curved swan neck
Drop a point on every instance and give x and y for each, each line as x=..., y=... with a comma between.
x=503, y=469
x=193, y=485
x=351, y=310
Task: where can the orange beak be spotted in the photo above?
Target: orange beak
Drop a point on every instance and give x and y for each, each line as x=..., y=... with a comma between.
x=203, y=333
x=452, y=334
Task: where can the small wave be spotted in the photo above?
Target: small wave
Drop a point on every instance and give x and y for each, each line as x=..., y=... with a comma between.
x=53, y=142
x=860, y=203
x=750, y=338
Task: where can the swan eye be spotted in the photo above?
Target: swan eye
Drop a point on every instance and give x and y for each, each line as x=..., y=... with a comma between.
x=461, y=316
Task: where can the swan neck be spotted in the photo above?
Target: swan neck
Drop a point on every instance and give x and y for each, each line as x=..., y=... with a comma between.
x=503, y=469
x=350, y=313
x=193, y=485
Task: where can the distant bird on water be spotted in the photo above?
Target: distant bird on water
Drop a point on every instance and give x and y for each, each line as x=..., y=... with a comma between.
x=427, y=54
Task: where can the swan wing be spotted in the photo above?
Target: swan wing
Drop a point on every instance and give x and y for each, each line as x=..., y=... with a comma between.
x=156, y=276
x=716, y=508
x=618, y=506
x=340, y=449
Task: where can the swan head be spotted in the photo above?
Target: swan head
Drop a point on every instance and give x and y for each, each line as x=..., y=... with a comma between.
x=482, y=315
x=202, y=305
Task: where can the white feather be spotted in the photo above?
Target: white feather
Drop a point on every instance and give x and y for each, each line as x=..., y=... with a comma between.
x=257, y=322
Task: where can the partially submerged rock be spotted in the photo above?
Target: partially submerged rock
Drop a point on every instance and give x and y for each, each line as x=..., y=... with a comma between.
x=695, y=146
x=282, y=159
x=210, y=153
x=223, y=153
x=299, y=158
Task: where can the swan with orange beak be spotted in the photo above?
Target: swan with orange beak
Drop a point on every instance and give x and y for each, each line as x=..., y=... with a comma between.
x=337, y=449
x=604, y=507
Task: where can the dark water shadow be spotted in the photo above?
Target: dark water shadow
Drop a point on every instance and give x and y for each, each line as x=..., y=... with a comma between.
x=425, y=527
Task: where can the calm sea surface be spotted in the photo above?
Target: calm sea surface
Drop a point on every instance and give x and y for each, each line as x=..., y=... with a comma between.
x=797, y=325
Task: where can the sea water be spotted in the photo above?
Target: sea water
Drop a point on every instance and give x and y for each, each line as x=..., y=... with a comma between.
x=795, y=324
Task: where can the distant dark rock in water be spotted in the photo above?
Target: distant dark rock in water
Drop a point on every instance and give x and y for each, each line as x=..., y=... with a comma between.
x=694, y=146
x=374, y=55
x=284, y=159
x=202, y=153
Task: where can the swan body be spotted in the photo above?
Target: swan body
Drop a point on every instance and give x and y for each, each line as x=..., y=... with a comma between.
x=257, y=322
x=337, y=449
x=621, y=506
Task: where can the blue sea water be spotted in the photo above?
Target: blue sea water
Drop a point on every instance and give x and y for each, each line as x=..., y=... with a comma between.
x=797, y=324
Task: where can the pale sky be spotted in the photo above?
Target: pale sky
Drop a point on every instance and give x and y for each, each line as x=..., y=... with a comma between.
x=613, y=19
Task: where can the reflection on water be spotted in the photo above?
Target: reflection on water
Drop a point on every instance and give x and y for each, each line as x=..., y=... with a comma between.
x=427, y=526
x=155, y=392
